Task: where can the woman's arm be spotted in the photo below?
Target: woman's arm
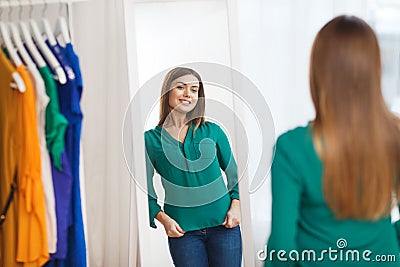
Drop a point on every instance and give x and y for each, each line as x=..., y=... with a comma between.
x=154, y=208
x=171, y=227
x=286, y=195
x=227, y=162
x=228, y=165
x=232, y=218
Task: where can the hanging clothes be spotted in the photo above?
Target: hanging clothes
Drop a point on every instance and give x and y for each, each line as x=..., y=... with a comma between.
x=10, y=148
x=42, y=101
x=55, y=128
x=32, y=248
x=76, y=242
x=39, y=162
x=56, y=125
x=69, y=96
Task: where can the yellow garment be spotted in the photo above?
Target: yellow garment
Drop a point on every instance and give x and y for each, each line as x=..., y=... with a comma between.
x=32, y=247
x=10, y=147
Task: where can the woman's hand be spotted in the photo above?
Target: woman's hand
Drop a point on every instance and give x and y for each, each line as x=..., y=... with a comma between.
x=232, y=218
x=171, y=227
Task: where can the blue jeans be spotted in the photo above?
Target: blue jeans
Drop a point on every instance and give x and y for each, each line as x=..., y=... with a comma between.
x=210, y=247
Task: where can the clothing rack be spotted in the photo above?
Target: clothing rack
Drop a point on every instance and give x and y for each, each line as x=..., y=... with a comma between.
x=16, y=3
x=7, y=4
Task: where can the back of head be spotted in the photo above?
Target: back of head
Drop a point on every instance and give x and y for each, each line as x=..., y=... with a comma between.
x=358, y=136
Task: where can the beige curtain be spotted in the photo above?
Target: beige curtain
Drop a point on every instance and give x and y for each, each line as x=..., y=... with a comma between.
x=99, y=39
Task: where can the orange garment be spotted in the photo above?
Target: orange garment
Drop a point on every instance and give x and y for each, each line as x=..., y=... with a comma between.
x=32, y=247
x=9, y=155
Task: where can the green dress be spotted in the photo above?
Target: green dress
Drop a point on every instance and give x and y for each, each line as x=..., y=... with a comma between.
x=196, y=195
x=304, y=227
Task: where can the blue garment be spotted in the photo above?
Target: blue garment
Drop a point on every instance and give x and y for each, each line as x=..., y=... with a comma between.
x=62, y=182
x=76, y=242
x=210, y=247
x=69, y=96
x=74, y=61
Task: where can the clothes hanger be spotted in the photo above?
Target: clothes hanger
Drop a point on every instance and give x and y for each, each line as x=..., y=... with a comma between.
x=18, y=42
x=27, y=39
x=62, y=26
x=5, y=33
x=46, y=29
x=51, y=59
x=15, y=59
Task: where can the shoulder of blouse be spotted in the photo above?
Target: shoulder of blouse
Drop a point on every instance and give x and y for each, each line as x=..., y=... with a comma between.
x=294, y=142
x=211, y=128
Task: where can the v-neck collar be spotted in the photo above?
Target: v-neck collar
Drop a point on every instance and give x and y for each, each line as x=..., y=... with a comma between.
x=167, y=134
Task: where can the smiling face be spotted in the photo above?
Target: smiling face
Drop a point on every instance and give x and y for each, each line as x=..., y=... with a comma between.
x=184, y=93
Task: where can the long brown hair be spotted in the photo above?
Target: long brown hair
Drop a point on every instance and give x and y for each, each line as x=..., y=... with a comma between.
x=355, y=134
x=196, y=115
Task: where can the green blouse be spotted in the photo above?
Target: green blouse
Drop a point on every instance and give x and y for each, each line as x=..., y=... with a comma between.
x=56, y=123
x=196, y=195
x=302, y=221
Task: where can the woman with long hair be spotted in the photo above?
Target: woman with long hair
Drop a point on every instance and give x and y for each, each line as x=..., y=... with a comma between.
x=201, y=214
x=333, y=181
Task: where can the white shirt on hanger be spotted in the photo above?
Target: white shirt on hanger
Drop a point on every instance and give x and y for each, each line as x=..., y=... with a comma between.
x=41, y=103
